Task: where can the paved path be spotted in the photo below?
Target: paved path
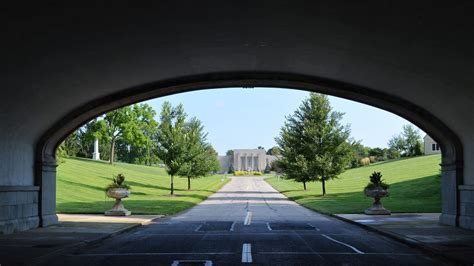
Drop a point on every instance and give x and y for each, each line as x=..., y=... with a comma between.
x=247, y=221
x=73, y=230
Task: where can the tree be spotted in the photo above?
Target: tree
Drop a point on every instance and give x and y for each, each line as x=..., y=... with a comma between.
x=274, y=151
x=230, y=153
x=313, y=143
x=148, y=125
x=121, y=124
x=231, y=169
x=359, y=151
x=171, y=148
x=200, y=157
x=140, y=151
x=408, y=143
x=260, y=148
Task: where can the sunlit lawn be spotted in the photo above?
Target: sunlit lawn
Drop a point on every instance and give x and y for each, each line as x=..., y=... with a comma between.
x=415, y=187
x=81, y=182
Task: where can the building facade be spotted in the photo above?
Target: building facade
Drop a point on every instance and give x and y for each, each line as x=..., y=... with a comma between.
x=251, y=160
x=431, y=146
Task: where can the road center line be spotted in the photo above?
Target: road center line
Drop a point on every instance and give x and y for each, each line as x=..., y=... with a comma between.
x=248, y=218
x=269, y=227
x=197, y=228
x=247, y=253
x=344, y=244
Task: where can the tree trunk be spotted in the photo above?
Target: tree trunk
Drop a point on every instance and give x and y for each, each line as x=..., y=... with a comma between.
x=172, y=188
x=189, y=183
x=304, y=185
x=324, y=186
x=112, y=151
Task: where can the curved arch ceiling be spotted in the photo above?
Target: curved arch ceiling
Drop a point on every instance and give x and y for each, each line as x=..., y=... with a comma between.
x=61, y=60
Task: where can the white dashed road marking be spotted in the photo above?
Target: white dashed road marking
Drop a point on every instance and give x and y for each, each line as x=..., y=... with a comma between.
x=247, y=253
x=344, y=244
x=197, y=228
x=269, y=227
x=248, y=218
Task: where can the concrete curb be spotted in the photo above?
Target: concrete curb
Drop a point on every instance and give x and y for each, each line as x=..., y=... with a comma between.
x=42, y=259
x=403, y=239
x=400, y=238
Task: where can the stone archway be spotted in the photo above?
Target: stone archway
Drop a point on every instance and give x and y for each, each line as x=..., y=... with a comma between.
x=452, y=157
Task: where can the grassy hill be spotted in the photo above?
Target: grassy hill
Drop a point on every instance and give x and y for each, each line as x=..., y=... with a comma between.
x=81, y=182
x=415, y=187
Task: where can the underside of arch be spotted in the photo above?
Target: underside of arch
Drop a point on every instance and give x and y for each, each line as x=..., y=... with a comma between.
x=452, y=156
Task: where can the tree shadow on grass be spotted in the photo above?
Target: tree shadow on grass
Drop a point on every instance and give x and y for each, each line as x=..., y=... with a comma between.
x=152, y=206
x=417, y=195
x=83, y=185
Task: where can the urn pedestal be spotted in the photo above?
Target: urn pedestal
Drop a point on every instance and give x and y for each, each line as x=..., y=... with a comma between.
x=118, y=209
x=377, y=207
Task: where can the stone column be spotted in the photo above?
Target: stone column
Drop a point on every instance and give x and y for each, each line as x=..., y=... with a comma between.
x=46, y=180
x=450, y=180
x=251, y=162
x=244, y=166
x=96, y=154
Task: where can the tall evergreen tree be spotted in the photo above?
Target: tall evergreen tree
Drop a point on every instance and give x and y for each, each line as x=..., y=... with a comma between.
x=313, y=144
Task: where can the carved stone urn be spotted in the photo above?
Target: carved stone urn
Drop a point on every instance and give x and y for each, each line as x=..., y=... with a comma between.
x=118, y=209
x=377, y=207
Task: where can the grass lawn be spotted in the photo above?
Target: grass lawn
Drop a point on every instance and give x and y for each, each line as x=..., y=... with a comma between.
x=81, y=182
x=414, y=187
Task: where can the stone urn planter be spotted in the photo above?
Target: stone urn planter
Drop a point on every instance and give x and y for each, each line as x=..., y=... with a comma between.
x=377, y=189
x=118, y=209
x=118, y=190
x=377, y=207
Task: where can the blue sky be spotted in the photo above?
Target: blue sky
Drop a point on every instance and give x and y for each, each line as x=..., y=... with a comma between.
x=237, y=118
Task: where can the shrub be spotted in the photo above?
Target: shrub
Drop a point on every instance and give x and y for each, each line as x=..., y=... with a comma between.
x=376, y=181
x=365, y=161
x=117, y=182
x=372, y=159
x=243, y=173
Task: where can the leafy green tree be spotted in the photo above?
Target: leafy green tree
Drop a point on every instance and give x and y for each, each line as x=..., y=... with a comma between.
x=274, y=151
x=231, y=169
x=171, y=139
x=149, y=126
x=120, y=124
x=392, y=153
x=408, y=143
x=313, y=143
x=230, y=153
x=200, y=157
x=72, y=144
x=359, y=151
x=141, y=149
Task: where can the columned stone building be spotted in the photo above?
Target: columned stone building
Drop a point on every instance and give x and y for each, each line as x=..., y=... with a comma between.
x=251, y=160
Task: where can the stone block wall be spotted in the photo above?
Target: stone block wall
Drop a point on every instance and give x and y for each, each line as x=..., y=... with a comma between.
x=18, y=208
x=466, y=196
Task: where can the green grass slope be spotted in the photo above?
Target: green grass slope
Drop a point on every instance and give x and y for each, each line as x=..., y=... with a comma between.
x=81, y=182
x=414, y=187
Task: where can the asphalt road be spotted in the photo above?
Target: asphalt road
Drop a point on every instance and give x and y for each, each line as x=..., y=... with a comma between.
x=248, y=222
